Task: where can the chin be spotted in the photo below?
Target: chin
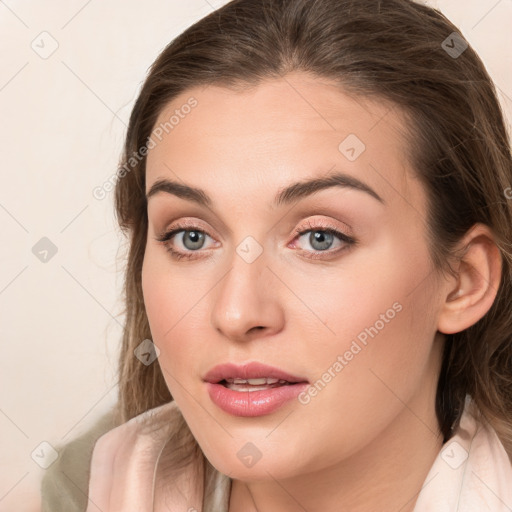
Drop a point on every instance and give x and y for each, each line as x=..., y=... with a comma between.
x=247, y=468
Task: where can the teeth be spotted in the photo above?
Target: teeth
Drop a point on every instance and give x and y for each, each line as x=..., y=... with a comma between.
x=255, y=382
x=263, y=383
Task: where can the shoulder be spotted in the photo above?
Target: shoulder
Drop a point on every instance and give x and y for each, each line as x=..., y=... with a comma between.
x=90, y=460
x=472, y=472
x=124, y=460
x=141, y=434
x=65, y=483
x=488, y=480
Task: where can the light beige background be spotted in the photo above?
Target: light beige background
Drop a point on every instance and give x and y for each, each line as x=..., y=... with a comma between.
x=63, y=119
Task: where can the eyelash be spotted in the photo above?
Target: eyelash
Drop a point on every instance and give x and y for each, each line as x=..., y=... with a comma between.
x=180, y=227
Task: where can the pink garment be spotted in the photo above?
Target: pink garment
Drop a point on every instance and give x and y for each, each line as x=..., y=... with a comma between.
x=472, y=472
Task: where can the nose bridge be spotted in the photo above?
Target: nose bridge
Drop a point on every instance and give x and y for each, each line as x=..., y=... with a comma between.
x=246, y=297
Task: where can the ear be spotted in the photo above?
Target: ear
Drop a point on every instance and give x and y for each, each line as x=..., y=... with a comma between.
x=471, y=294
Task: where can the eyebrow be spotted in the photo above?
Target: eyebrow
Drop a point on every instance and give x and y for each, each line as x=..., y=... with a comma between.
x=288, y=195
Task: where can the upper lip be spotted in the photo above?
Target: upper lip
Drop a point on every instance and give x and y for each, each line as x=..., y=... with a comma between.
x=252, y=370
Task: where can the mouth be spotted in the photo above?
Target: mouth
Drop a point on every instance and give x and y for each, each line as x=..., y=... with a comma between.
x=252, y=376
x=251, y=390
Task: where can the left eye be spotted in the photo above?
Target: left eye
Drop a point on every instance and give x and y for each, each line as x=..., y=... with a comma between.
x=322, y=239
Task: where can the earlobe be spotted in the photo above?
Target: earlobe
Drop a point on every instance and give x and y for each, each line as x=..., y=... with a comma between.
x=472, y=293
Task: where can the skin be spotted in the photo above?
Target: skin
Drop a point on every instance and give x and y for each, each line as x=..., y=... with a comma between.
x=366, y=441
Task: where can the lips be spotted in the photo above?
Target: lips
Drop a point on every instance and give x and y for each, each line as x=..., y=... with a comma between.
x=253, y=389
x=251, y=374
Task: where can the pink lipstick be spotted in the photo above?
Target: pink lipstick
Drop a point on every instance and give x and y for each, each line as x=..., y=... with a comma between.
x=253, y=389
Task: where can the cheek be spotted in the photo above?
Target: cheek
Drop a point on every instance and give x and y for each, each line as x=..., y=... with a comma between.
x=176, y=309
x=374, y=295
x=178, y=306
x=378, y=305
x=379, y=352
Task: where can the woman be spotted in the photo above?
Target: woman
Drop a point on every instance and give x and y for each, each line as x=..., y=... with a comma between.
x=318, y=285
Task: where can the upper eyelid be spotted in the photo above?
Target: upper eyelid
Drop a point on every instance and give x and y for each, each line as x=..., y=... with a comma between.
x=312, y=221
x=310, y=225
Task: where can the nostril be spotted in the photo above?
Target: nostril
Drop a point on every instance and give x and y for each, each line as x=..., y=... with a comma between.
x=257, y=328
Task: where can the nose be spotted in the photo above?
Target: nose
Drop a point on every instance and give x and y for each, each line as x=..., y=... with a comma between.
x=246, y=302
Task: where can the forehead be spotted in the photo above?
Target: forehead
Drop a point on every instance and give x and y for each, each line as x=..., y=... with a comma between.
x=293, y=103
x=279, y=131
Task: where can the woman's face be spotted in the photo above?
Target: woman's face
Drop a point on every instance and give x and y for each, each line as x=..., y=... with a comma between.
x=354, y=314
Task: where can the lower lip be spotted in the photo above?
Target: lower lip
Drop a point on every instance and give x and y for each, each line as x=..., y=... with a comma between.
x=253, y=403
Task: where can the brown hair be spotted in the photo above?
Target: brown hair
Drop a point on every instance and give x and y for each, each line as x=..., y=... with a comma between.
x=395, y=50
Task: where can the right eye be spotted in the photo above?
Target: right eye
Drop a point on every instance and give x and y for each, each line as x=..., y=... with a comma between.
x=191, y=239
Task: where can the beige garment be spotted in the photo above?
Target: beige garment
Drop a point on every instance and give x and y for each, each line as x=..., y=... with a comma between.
x=471, y=473
x=127, y=473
